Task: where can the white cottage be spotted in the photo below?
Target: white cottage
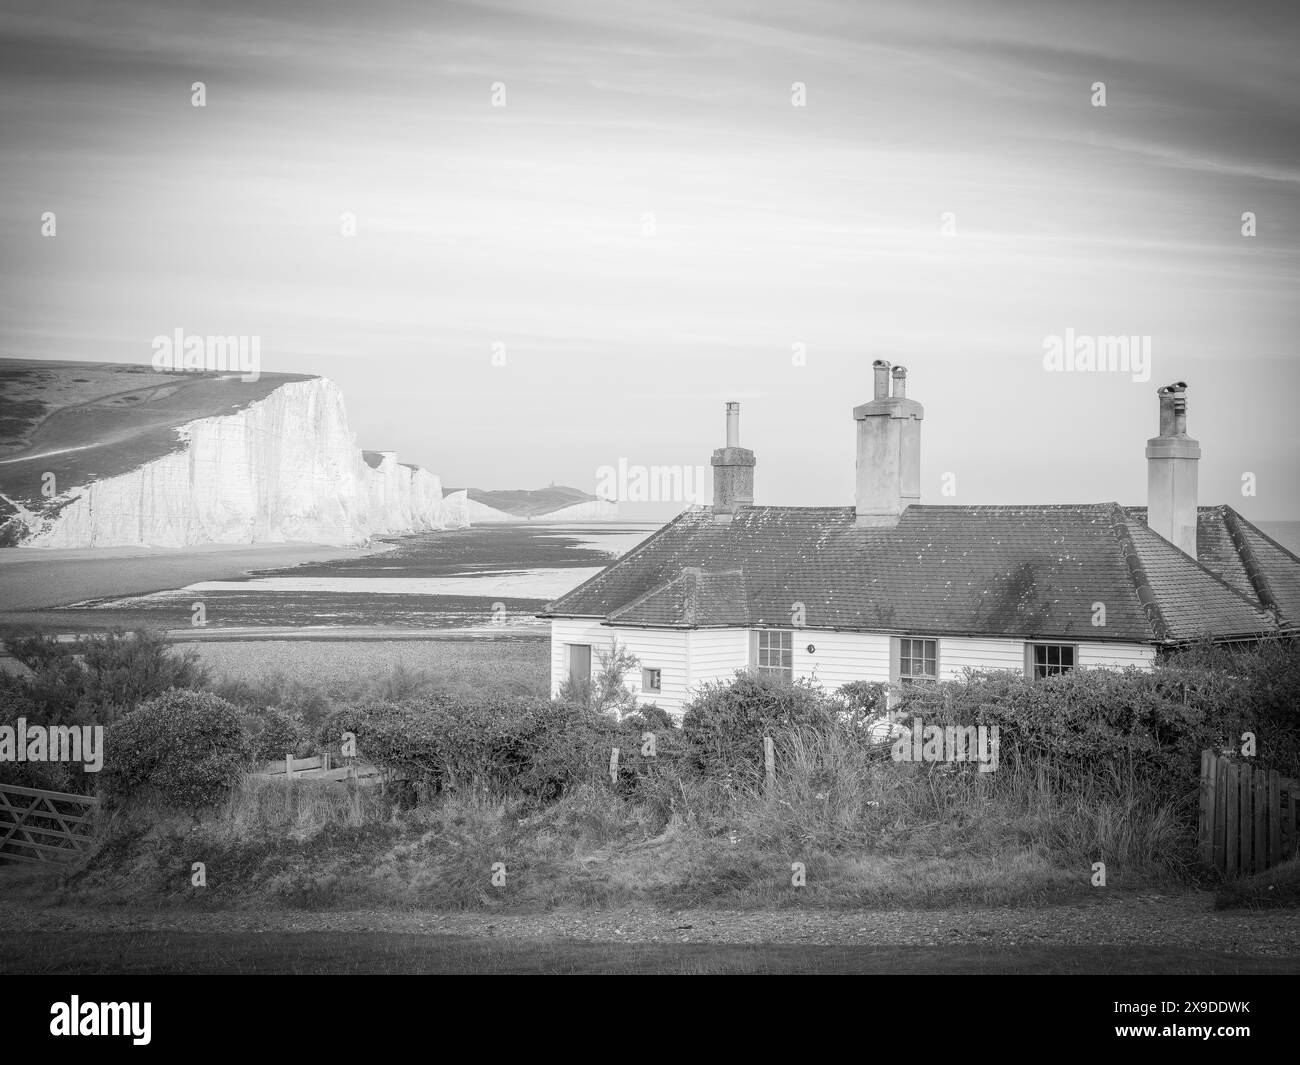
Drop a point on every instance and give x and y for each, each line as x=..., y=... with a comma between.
x=889, y=590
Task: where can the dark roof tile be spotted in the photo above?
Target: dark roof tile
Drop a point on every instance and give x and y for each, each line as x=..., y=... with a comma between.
x=1027, y=571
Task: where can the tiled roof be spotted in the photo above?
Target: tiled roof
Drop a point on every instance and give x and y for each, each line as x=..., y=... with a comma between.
x=1024, y=571
x=1245, y=557
x=695, y=599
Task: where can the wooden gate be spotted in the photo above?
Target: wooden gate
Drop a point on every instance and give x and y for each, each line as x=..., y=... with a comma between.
x=1248, y=816
x=44, y=826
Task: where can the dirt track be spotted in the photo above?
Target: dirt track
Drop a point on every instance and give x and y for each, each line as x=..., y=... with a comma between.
x=1151, y=920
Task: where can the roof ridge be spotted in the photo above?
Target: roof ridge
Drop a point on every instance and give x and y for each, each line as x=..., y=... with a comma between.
x=1182, y=556
x=1138, y=575
x=1255, y=528
x=690, y=602
x=1249, y=561
x=549, y=608
x=682, y=575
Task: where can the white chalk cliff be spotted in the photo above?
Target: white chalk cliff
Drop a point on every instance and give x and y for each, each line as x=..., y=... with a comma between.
x=282, y=468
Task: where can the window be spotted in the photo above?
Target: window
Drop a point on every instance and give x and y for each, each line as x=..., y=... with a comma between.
x=652, y=680
x=1049, y=659
x=917, y=661
x=579, y=662
x=774, y=653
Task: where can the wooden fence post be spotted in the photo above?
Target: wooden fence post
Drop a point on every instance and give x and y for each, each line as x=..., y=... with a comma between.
x=288, y=765
x=1274, y=817
x=1232, y=822
x=613, y=766
x=1289, y=823
x=1245, y=792
x=769, y=763
x=1220, y=775
x=1259, y=785
x=1205, y=828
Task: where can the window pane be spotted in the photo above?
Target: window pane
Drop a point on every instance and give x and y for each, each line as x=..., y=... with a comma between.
x=579, y=661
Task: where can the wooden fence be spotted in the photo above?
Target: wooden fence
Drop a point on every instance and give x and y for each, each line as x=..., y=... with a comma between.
x=44, y=826
x=1248, y=816
x=320, y=767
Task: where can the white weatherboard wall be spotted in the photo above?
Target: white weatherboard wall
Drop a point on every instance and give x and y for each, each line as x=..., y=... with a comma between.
x=691, y=658
x=841, y=657
x=716, y=654
x=1117, y=655
x=662, y=649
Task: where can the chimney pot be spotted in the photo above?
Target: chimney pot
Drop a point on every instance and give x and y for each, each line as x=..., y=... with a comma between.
x=881, y=368
x=733, y=425
x=900, y=382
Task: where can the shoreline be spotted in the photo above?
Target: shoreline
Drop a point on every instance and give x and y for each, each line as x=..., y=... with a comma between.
x=33, y=579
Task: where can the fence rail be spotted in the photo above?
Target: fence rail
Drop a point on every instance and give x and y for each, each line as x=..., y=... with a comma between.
x=44, y=826
x=319, y=767
x=1248, y=816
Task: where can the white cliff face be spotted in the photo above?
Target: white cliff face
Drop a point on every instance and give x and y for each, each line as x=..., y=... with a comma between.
x=455, y=510
x=426, y=499
x=481, y=514
x=283, y=468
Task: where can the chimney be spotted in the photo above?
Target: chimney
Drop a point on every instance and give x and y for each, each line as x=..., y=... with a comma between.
x=733, y=472
x=889, y=450
x=1171, y=472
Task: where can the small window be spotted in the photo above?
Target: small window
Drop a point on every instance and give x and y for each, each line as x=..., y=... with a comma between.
x=652, y=680
x=1049, y=659
x=579, y=662
x=918, y=660
x=774, y=653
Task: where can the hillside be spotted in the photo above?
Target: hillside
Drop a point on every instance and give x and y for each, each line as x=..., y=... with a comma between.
x=556, y=502
x=96, y=454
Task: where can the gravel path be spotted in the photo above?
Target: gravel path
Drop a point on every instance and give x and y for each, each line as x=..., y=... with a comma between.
x=1169, y=921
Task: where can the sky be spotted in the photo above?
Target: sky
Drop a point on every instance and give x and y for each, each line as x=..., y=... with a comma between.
x=581, y=228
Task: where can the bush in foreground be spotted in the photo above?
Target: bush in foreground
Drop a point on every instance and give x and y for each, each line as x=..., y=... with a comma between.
x=185, y=748
x=95, y=679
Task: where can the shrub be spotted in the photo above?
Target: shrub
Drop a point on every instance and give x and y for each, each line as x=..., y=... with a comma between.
x=724, y=724
x=94, y=679
x=509, y=746
x=187, y=748
x=862, y=702
x=1092, y=722
x=606, y=691
x=274, y=732
x=16, y=702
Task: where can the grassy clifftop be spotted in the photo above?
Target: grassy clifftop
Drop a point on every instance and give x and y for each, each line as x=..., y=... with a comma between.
x=85, y=421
